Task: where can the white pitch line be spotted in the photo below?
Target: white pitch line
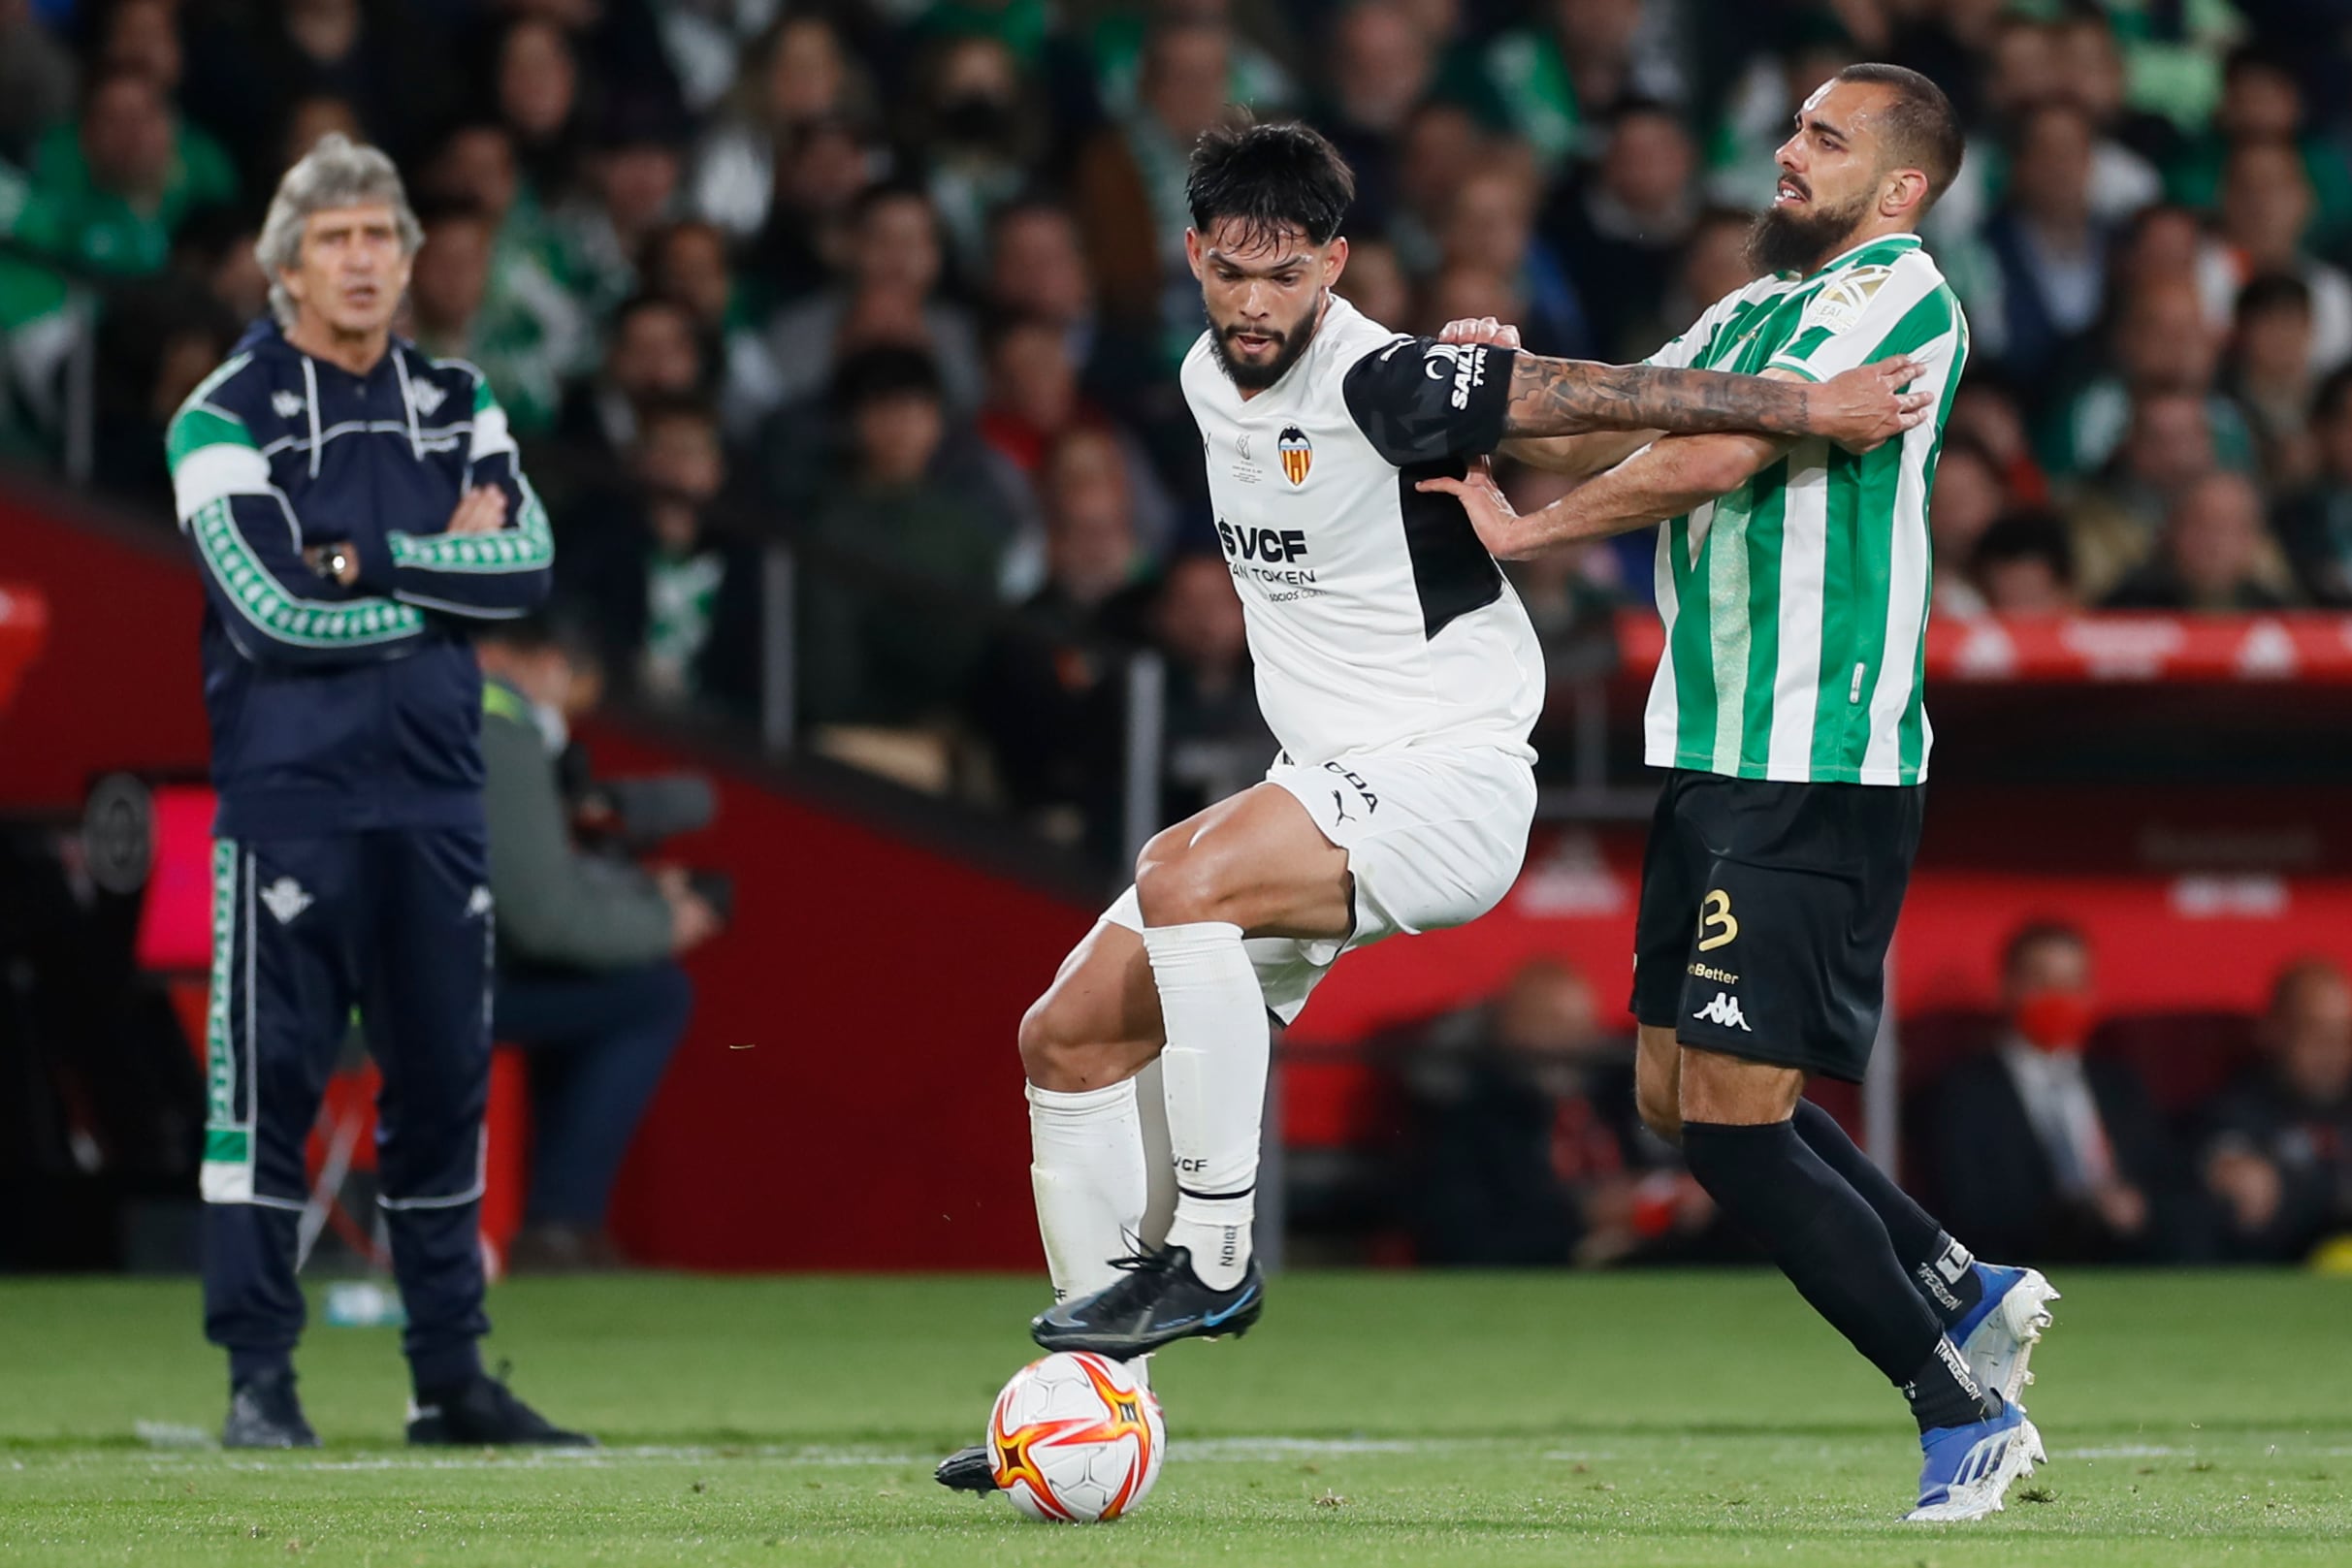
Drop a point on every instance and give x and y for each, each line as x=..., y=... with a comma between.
x=2165, y=1450
x=1220, y=1449
x=173, y=1435
x=1196, y=1450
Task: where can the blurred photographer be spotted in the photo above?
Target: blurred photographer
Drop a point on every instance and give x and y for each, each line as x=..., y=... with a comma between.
x=587, y=974
x=1531, y=1152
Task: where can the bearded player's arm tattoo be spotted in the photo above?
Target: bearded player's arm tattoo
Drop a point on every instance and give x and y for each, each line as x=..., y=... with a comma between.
x=1550, y=396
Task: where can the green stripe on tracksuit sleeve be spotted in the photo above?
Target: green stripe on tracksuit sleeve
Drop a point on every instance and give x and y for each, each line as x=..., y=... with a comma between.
x=195, y=428
x=199, y=422
x=268, y=606
x=526, y=544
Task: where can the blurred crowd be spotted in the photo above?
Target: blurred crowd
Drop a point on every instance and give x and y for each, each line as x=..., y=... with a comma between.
x=903, y=280
x=2049, y=1131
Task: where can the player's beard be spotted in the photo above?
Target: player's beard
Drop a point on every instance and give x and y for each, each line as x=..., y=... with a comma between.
x=1289, y=344
x=1787, y=239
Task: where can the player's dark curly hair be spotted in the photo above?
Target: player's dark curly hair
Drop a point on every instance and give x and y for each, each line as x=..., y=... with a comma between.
x=1271, y=177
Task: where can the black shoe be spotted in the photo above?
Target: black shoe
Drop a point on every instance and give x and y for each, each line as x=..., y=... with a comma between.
x=484, y=1413
x=1160, y=1301
x=967, y=1469
x=264, y=1413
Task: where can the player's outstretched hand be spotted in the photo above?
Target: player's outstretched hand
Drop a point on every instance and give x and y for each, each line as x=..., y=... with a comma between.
x=1492, y=514
x=1480, y=330
x=1867, y=404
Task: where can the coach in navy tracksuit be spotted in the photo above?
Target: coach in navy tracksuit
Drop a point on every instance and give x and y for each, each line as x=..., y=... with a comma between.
x=357, y=507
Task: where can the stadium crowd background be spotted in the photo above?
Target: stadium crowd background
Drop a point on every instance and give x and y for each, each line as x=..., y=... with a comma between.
x=903, y=284
x=908, y=279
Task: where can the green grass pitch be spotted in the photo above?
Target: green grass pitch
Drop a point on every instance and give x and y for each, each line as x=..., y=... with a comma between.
x=1664, y=1419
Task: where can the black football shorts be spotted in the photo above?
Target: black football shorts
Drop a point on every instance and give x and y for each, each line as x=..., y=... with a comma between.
x=1766, y=912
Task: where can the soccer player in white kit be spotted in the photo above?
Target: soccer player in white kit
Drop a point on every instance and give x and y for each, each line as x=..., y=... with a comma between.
x=1402, y=677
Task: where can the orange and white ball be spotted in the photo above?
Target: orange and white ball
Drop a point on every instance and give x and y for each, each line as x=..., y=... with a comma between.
x=1076, y=1439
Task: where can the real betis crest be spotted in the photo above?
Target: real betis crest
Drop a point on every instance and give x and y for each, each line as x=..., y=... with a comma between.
x=1298, y=454
x=1841, y=302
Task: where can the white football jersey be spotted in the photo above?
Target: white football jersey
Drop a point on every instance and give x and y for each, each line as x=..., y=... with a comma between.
x=1376, y=619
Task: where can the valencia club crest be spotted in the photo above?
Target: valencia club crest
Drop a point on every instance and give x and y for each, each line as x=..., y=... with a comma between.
x=1298, y=454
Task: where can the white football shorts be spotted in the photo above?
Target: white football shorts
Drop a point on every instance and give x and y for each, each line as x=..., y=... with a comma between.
x=1434, y=837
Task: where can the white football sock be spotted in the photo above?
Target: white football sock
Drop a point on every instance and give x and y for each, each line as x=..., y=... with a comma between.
x=1159, y=1159
x=1215, y=1072
x=1159, y=1172
x=1086, y=1170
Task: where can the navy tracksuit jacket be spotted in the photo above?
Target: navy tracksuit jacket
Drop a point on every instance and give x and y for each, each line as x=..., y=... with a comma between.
x=349, y=864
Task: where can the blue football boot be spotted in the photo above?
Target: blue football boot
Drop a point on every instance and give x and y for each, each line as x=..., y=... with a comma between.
x=1968, y=1468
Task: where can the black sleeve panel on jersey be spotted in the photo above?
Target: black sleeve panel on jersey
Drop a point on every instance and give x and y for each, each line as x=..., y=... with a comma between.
x=1420, y=400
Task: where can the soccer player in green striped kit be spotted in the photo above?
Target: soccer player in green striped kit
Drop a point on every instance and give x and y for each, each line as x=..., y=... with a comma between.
x=1793, y=579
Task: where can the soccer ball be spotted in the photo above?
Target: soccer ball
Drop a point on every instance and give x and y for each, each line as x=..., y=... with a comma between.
x=1076, y=1439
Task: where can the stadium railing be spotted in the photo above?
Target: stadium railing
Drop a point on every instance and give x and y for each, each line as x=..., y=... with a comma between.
x=943, y=754
x=58, y=406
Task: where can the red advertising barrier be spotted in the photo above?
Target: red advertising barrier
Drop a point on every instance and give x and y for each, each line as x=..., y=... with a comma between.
x=118, y=685
x=2187, y=940
x=848, y=1096
x=24, y=624
x=2308, y=646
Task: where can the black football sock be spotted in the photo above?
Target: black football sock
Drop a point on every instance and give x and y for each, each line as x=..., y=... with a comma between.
x=1772, y=1186
x=1938, y=1266
x=1945, y=1393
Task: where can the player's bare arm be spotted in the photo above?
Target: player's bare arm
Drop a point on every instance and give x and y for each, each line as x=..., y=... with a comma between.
x=1574, y=456
x=1669, y=478
x=1858, y=409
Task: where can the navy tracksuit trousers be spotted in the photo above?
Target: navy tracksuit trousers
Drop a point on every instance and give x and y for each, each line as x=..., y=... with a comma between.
x=397, y=924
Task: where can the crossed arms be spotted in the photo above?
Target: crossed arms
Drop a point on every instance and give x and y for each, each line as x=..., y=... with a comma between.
x=1698, y=434
x=1574, y=397
x=490, y=561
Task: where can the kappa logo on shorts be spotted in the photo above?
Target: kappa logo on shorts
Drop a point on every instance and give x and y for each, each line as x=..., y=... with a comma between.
x=285, y=898
x=1724, y=1012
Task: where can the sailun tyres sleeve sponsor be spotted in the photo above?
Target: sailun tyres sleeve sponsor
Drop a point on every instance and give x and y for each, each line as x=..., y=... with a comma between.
x=1419, y=400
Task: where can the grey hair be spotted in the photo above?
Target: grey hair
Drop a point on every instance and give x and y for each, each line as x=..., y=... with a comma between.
x=336, y=172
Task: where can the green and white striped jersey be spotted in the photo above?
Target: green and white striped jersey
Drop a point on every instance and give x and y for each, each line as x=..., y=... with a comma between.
x=1796, y=605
